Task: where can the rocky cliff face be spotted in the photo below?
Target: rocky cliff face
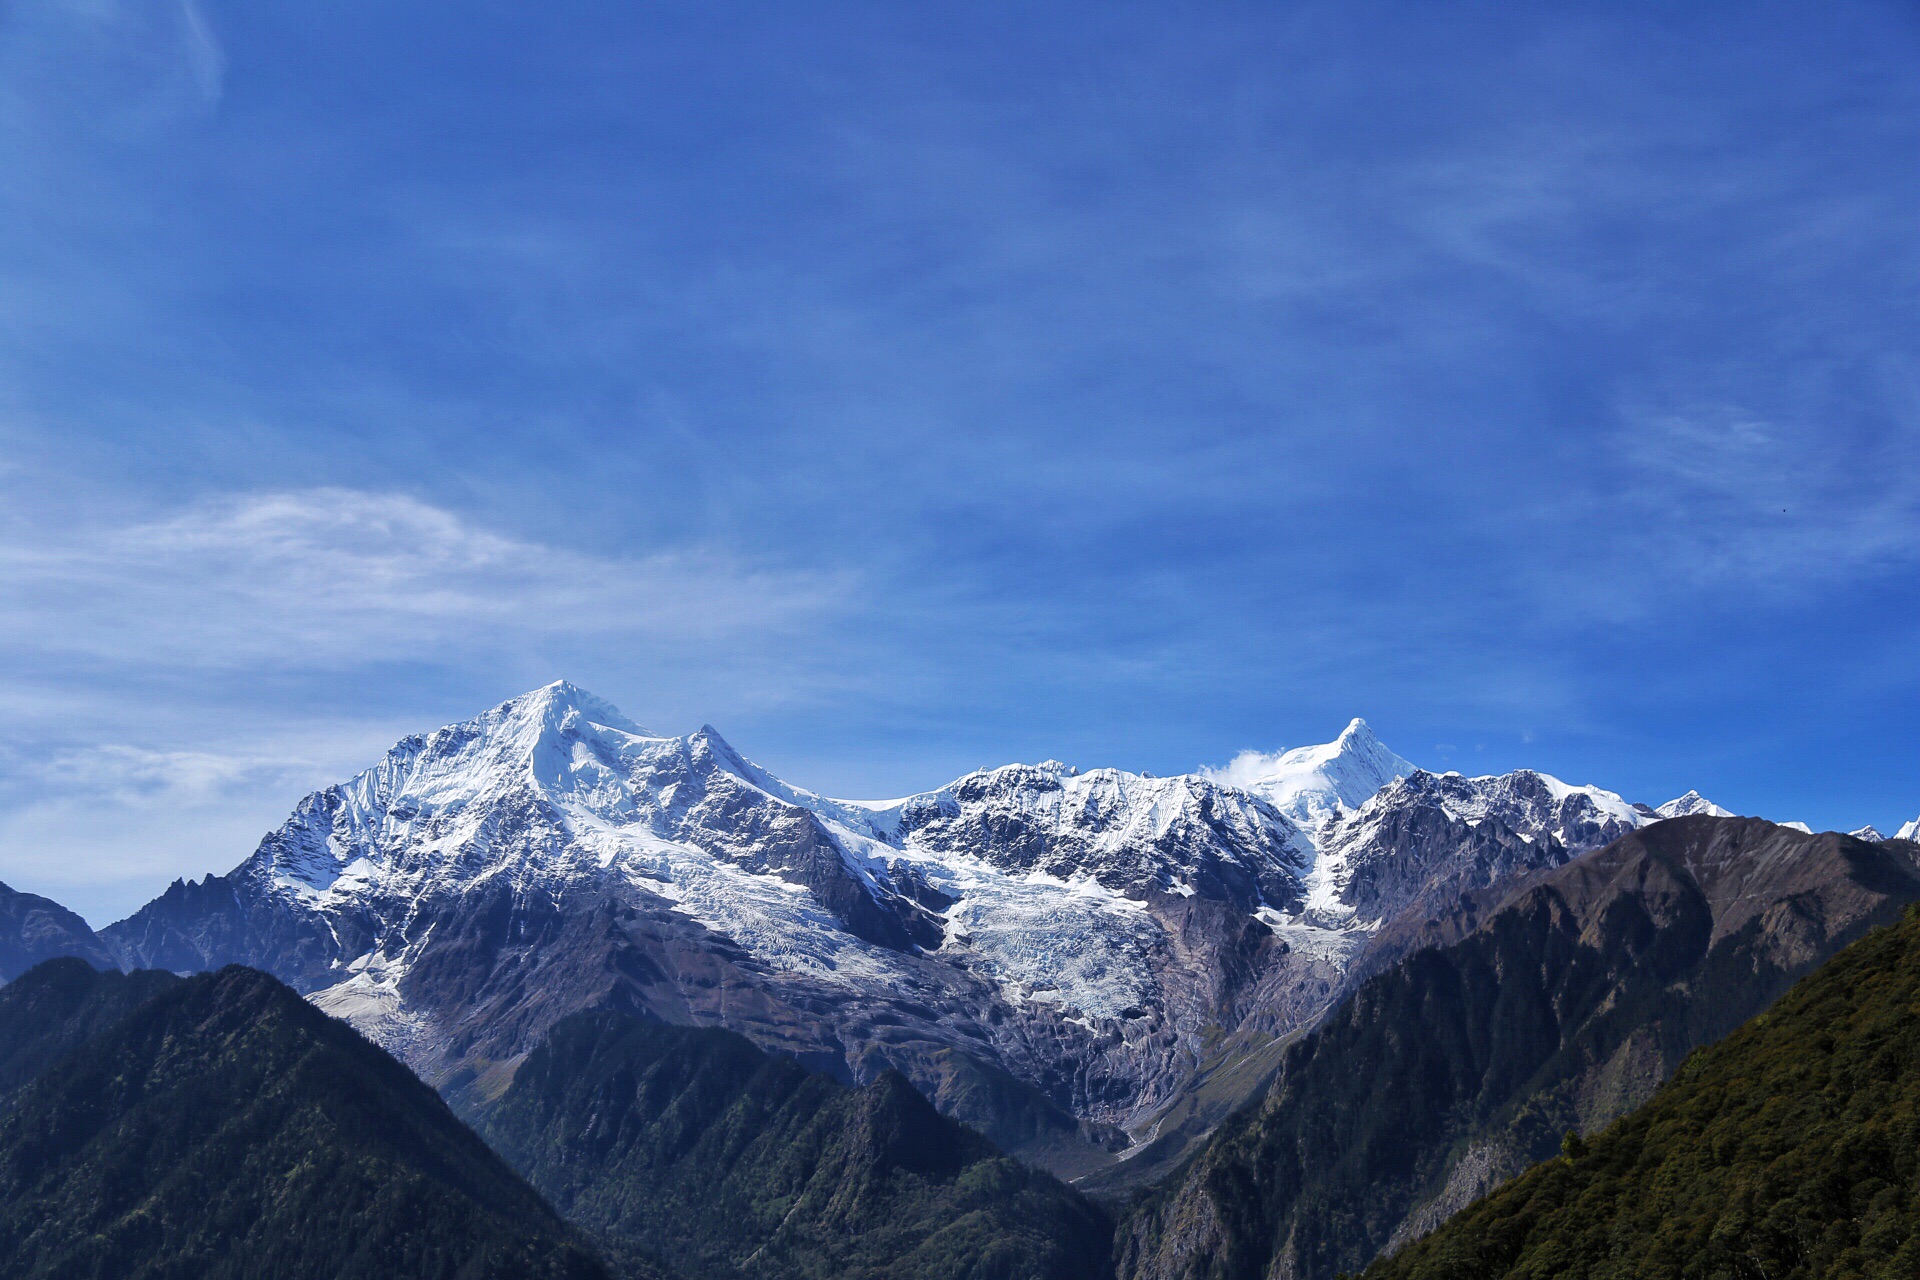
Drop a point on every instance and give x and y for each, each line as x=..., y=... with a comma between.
x=1460, y=1065
x=1416, y=864
x=1055, y=957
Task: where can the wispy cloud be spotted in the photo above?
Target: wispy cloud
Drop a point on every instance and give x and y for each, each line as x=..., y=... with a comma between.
x=206, y=60
x=1718, y=497
x=338, y=576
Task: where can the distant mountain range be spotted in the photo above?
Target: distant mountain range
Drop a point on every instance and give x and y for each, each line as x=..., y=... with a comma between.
x=1091, y=967
x=1280, y=1016
x=33, y=929
x=1059, y=958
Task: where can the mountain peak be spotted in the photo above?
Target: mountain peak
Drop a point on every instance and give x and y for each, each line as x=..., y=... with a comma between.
x=1311, y=784
x=1690, y=804
x=556, y=699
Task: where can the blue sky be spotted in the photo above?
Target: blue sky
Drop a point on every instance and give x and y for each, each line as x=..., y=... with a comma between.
x=904, y=389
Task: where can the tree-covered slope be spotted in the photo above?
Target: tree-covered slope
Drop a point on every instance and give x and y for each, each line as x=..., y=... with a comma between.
x=1463, y=1065
x=54, y=1008
x=729, y=1162
x=1790, y=1150
x=224, y=1129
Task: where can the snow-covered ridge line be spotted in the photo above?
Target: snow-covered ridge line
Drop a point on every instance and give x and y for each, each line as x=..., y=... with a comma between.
x=1090, y=932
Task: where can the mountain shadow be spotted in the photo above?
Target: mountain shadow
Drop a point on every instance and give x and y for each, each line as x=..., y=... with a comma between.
x=728, y=1162
x=1790, y=1149
x=223, y=1128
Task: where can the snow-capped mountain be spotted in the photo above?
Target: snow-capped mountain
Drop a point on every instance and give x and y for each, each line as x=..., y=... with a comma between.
x=1313, y=784
x=1910, y=831
x=1869, y=833
x=1050, y=954
x=1690, y=804
x=1446, y=833
x=1071, y=935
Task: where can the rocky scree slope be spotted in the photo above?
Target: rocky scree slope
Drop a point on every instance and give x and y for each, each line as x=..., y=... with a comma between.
x=692, y=1144
x=1461, y=1065
x=1053, y=956
x=1791, y=1149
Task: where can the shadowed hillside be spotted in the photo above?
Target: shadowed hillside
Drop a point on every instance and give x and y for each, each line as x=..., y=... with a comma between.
x=224, y=1129
x=1463, y=1065
x=729, y=1162
x=1791, y=1149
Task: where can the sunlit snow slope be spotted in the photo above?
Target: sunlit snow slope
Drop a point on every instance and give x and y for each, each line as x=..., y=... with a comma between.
x=1049, y=953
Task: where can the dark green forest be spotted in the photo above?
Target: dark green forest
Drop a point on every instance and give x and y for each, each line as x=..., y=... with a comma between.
x=225, y=1129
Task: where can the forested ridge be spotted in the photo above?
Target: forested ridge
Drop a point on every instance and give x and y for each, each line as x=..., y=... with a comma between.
x=225, y=1129
x=1790, y=1150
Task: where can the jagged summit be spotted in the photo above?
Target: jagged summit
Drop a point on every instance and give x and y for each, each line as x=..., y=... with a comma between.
x=1911, y=831
x=1075, y=938
x=1315, y=783
x=1692, y=803
x=1431, y=836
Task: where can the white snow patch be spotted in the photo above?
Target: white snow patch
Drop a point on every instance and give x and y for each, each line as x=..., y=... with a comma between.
x=1692, y=803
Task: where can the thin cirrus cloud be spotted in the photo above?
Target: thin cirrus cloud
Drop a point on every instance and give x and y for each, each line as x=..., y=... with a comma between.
x=331, y=577
x=1127, y=400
